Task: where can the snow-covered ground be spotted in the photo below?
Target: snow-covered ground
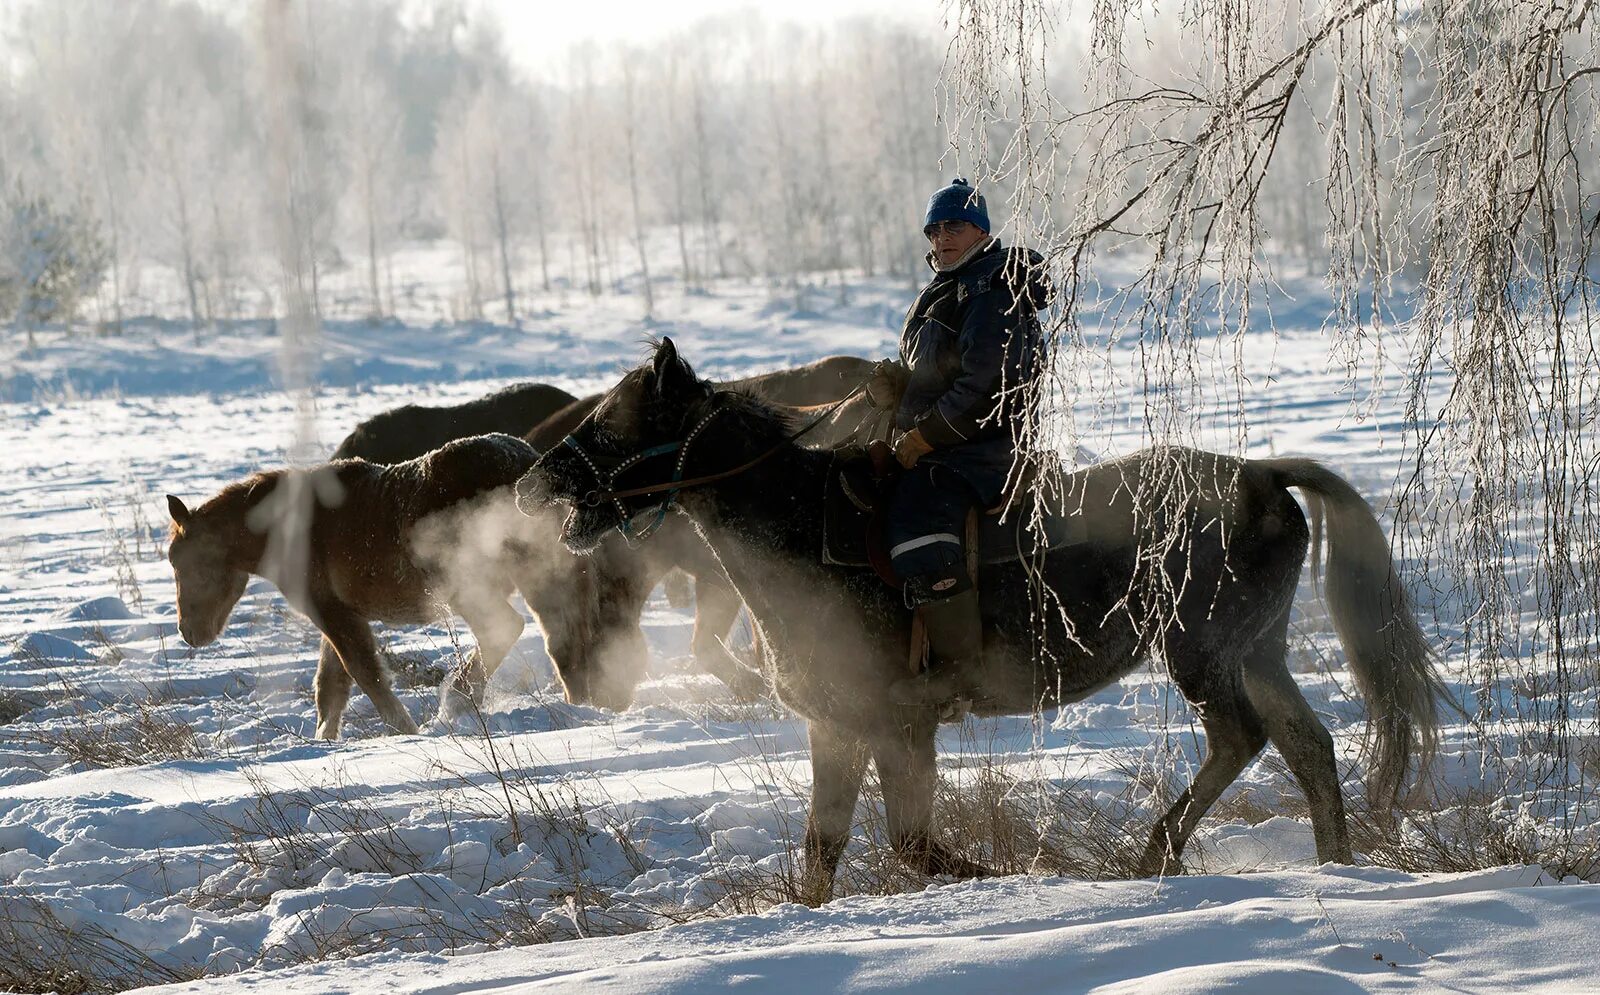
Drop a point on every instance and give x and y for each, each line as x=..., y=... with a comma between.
x=165, y=812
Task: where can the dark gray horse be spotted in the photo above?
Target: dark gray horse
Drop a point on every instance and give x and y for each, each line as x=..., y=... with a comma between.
x=1192, y=555
x=411, y=430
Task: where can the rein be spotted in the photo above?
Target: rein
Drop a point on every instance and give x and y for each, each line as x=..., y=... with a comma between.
x=604, y=493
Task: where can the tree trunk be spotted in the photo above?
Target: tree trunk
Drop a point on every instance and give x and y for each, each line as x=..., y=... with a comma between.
x=708, y=211
x=114, y=223
x=186, y=248
x=368, y=202
x=503, y=235
x=388, y=272
x=633, y=190
x=544, y=254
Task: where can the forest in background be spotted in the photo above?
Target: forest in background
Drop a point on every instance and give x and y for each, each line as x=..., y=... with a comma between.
x=756, y=149
x=137, y=149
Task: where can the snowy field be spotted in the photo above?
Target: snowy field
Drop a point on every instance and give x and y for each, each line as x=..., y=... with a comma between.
x=165, y=813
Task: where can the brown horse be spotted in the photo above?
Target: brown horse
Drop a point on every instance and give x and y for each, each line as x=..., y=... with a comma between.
x=402, y=544
x=1191, y=555
x=413, y=430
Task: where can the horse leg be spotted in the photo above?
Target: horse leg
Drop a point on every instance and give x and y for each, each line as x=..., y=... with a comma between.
x=837, y=765
x=1302, y=739
x=352, y=639
x=1233, y=738
x=332, y=690
x=496, y=627
x=909, y=772
x=618, y=654
x=679, y=588
x=716, y=607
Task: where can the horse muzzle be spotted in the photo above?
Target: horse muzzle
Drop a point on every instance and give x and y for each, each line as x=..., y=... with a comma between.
x=196, y=636
x=556, y=476
x=536, y=491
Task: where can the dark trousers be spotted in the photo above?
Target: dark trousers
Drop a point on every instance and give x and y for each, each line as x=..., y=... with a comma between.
x=927, y=531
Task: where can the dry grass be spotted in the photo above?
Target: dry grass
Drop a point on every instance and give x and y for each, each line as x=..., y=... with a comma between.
x=125, y=735
x=40, y=953
x=15, y=704
x=1468, y=829
x=411, y=670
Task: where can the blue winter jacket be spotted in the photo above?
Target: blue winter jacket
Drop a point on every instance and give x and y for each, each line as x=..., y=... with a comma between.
x=970, y=340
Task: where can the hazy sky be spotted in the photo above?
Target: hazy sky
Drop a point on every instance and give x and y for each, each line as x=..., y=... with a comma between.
x=539, y=30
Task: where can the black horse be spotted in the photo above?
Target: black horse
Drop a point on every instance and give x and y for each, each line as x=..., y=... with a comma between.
x=1191, y=555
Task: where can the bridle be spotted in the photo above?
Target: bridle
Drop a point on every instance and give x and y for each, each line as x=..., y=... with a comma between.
x=606, y=469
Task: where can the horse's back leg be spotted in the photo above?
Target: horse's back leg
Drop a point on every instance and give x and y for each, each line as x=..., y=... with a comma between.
x=1303, y=740
x=1234, y=736
x=351, y=636
x=332, y=687
x=837, y=765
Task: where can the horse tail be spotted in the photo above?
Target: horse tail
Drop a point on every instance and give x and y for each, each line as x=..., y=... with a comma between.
x=1393, y=664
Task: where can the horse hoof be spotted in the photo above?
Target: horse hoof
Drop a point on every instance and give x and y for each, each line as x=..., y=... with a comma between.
x=456, y=701
x=747, y=686
x=816, y=894
x=950, y=865
x=955, y=711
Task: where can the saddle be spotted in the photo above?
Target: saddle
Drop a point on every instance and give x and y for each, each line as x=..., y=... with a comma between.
x=856, y=496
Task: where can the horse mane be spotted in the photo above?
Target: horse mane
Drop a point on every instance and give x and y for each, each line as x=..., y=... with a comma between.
x=248, y=492
x=764, y=422
x=236, y=499
x=756, y=413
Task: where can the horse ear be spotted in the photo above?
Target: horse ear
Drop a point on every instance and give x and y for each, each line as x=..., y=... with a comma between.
x=666, y=357
x=671, y=372
x=176, y=509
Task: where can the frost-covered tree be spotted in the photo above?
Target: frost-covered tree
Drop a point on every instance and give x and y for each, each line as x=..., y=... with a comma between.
x=367, y=123
x=416, y=127
x=50, y=259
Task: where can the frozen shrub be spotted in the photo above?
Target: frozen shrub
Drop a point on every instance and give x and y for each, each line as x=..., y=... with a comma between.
x=50, y=258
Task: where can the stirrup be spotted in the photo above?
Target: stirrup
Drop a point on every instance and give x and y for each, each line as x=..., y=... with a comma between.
x=932, y=689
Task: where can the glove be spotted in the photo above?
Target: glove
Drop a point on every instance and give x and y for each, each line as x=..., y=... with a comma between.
x=887, y=383
x=911, y=447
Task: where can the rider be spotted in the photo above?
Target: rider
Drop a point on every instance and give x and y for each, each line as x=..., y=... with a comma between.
x=970, y=350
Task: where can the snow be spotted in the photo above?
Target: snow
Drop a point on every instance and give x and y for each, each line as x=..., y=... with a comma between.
x=1333, y=930
x=176, y=800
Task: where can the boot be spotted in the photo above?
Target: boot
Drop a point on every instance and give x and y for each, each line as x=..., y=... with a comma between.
x=955, y=654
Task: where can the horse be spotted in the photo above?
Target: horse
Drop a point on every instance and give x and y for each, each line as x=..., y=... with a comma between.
x=807, y=389
x=1190, y=555
x=411, y=430
x=414, y=430
x=403, y=544
x=816, y=383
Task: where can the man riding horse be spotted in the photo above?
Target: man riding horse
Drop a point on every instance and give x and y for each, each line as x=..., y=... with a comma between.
x=970, y=353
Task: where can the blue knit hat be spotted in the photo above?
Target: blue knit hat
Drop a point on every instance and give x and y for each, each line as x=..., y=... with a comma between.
x=957, y=202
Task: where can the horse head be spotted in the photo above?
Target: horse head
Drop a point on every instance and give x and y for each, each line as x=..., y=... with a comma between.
x=631, y=439
x=209, y=582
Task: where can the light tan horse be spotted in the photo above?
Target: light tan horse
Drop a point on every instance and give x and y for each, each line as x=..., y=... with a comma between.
x=402, y=544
